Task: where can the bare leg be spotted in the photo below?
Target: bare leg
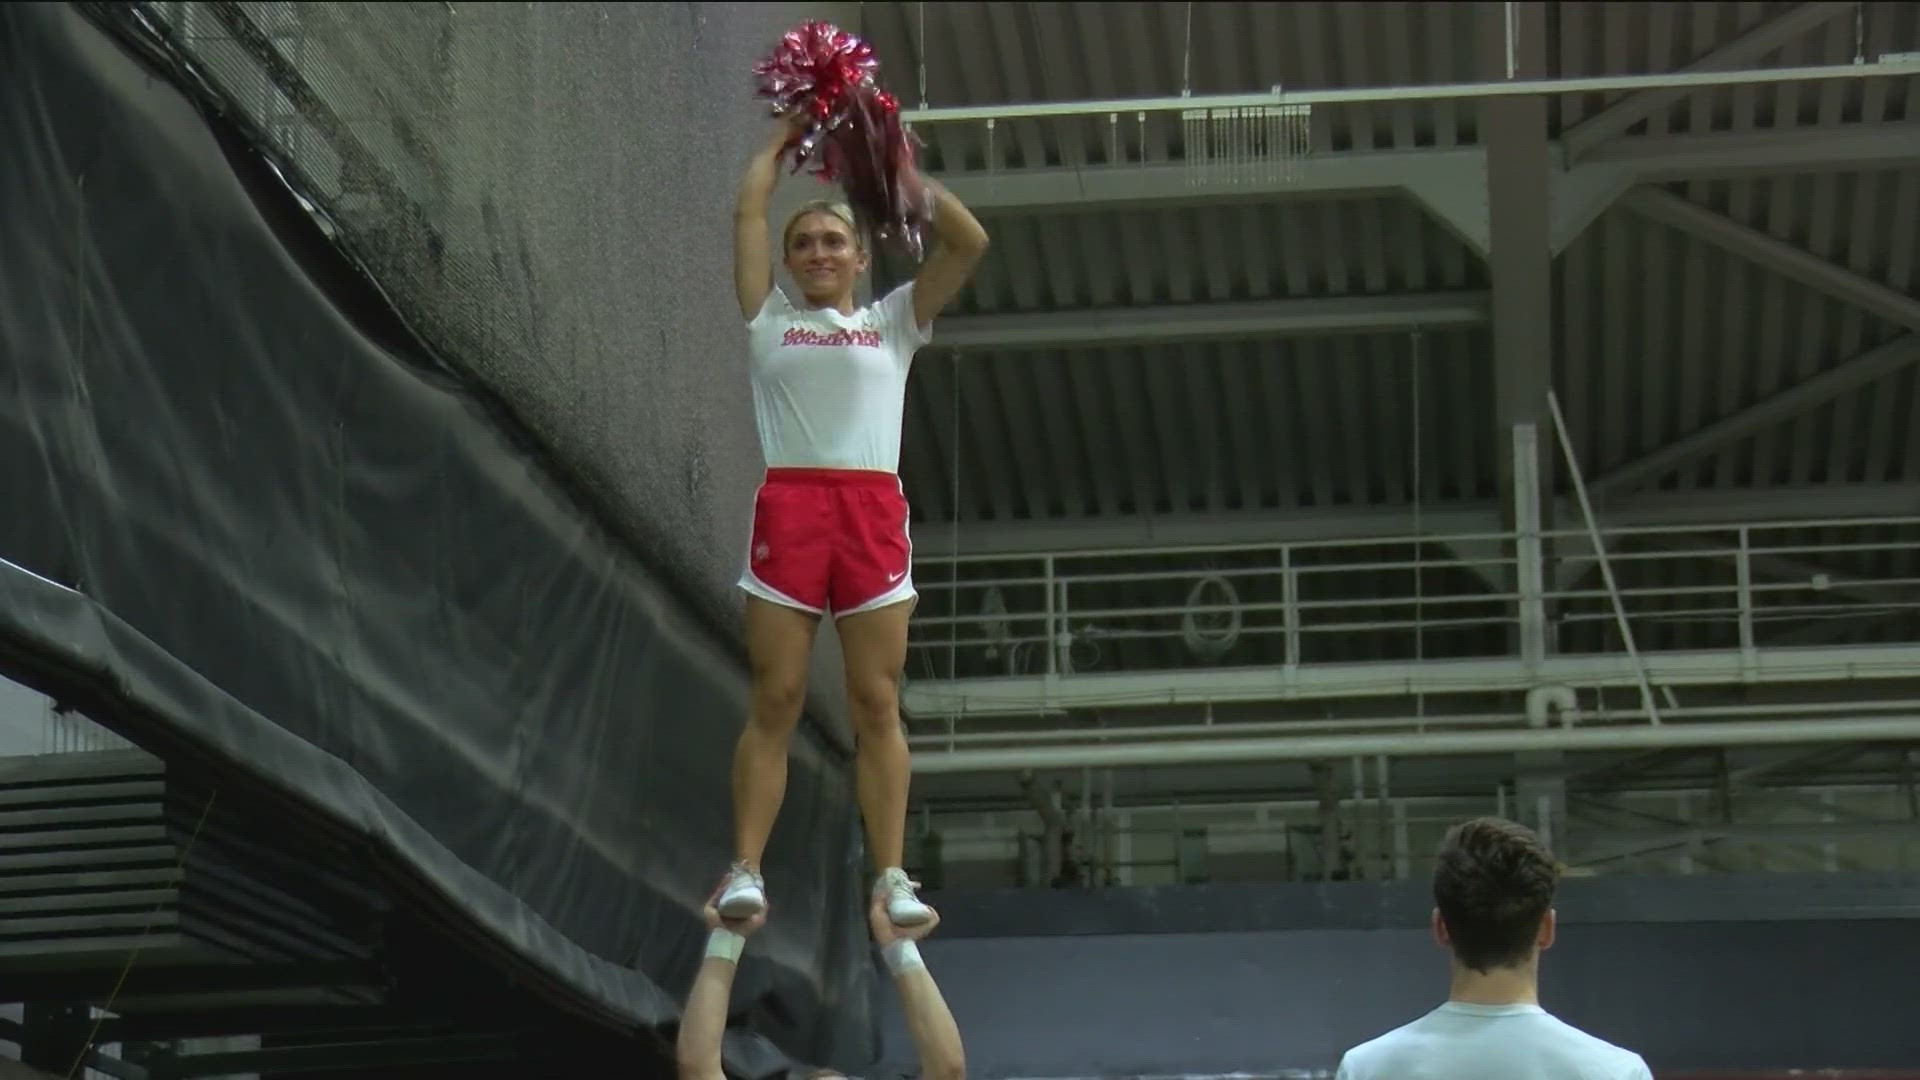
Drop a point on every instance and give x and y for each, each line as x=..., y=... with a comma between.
x=875, y=647
x=779, y=646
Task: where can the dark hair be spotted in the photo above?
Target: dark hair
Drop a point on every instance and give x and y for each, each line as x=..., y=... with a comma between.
x=1493, y=885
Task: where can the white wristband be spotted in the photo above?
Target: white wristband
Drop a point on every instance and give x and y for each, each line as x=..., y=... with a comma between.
x=724, y=944
x=902, y=956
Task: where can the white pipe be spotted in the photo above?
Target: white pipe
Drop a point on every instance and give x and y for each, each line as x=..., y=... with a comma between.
x=1433, y=744
x=1220, y=686
x=1542, y=700
x=1513, y=44
x=1903, y=64
x=1600, y=553
x=959, y=822
x=1255, y=727
x=1409, y=724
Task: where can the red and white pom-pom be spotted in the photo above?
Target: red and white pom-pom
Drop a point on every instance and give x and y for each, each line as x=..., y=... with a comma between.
x=853, y=132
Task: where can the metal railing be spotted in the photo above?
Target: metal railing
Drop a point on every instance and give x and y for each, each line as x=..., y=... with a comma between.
x=1410, y=598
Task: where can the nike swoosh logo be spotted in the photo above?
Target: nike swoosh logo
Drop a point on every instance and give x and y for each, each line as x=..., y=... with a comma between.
x=896, y=577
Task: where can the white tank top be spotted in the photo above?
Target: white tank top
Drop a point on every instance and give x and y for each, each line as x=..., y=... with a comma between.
x=829, y=390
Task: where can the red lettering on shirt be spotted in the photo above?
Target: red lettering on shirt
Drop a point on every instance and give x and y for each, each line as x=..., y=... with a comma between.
x=839, y=339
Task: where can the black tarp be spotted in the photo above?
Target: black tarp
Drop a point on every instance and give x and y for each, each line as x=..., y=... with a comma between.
x=331, y=565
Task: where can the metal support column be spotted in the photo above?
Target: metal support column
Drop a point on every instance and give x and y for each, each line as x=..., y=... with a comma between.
x=1402, y=848
x=1743, y=574
x=1512, y=38
x=1290, y=603
x=1531, y=576
x=1540, y=790
x=1332, y=823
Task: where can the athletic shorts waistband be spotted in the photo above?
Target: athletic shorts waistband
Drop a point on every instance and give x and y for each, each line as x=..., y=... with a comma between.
x=837, y=478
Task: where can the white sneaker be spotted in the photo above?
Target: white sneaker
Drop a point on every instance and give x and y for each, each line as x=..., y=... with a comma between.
x=903, y=907
x=743, y=894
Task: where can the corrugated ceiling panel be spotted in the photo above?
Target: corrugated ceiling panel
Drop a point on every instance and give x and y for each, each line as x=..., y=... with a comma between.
x=1078, y=260
x=993, y=53
x=1663, y=333
x=1223, y=426
x=1849, y=220
x=1617, y=38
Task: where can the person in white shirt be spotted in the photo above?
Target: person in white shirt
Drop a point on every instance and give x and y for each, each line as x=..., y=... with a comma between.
x=1493, y=895
x=830, y=521
x=703, y=1024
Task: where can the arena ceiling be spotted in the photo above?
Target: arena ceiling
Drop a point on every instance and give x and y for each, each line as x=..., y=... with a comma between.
x=1163, y=380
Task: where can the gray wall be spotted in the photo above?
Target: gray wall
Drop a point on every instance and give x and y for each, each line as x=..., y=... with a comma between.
x=594, y=157
x=568, y=173
x=1685, y=994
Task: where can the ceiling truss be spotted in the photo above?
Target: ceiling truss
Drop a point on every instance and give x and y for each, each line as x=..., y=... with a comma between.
x=1518, y=199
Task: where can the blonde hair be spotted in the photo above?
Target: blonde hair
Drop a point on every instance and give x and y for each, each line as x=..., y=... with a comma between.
x=822, y=206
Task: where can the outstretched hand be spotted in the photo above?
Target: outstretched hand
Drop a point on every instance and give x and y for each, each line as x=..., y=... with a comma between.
x=886, y=931
x=716, y=921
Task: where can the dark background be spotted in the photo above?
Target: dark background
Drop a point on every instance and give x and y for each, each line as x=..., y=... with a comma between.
x=1730, y=973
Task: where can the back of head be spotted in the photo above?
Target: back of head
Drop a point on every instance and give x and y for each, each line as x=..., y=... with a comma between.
x=1493, y=884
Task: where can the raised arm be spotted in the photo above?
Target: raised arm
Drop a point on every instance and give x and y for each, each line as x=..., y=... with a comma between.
x=959, y=243
x=704, y=1022
x=935, y=1034
x=752, y=258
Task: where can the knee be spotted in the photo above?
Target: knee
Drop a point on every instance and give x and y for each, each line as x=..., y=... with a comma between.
x=875, y=705
x=777, y=701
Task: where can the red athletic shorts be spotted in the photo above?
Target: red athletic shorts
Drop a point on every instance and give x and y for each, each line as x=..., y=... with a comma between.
x=830, y=540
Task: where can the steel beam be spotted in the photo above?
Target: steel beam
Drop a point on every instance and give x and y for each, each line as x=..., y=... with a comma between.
x=1783, y=29
x=1172, y=532
x=1580, y=196
x=1034, y=695
x=1205, y=321
x=1452, y=183
x=1520, y=269
x=1720, y=154
x=1161, y=532
x=1835, y=382
x=1776, y=255
x=1112, y=186
x=1457, y=194
x=1809, y=502
x=1582, y=193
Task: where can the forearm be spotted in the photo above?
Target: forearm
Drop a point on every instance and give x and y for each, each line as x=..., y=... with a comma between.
x=763, y=172
x=935, y=1033
x=704, y=1022
x=953, y=223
